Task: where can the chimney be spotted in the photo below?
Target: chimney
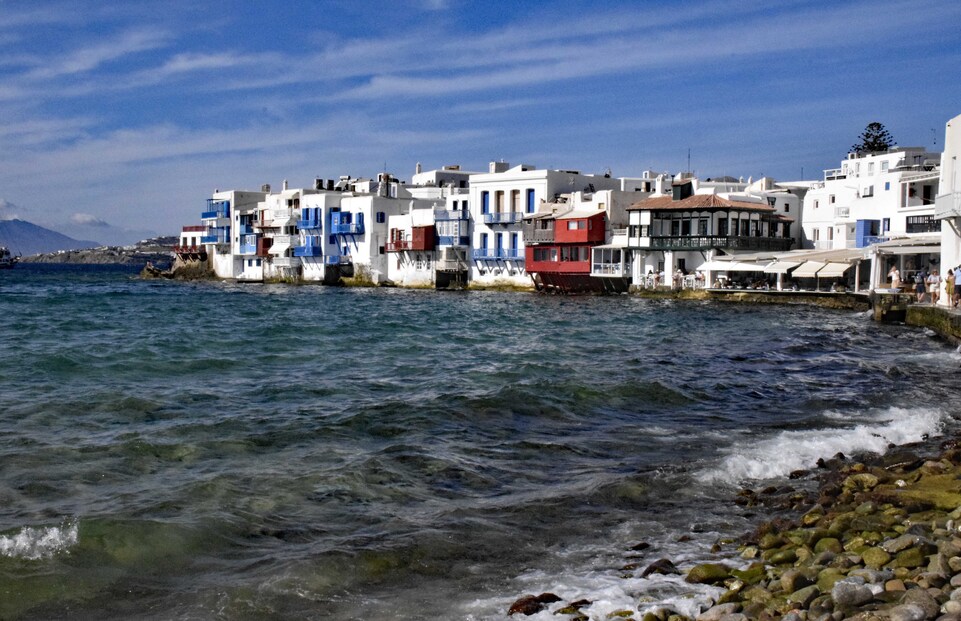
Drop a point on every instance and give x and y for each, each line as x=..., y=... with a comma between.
x=417, y=169
x=285, y=185
x=499, y=167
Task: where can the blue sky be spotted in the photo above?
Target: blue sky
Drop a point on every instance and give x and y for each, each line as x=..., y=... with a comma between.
x=118, y=120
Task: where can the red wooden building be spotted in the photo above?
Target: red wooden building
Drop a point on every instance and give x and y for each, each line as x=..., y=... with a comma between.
x=558, y=249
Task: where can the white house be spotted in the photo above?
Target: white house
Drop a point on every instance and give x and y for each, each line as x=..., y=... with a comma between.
x=872, y=197
x=948, y=199
x=498, y=201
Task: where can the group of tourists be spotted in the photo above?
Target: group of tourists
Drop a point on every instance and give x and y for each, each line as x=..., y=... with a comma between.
x=929, y=284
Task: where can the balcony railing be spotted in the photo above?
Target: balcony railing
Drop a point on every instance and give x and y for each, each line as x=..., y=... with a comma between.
x=948, y=205
x=704, y=242
x=538, y=236
x=834, y=173
x=508, y=217
x=842, y=212
x=484, y=254
x=441, y=216
x=342, y=259
x=189, y=249
x=398, y=246
x=453, y=240
x=510, y=254
x=870, y=240
x=308, y=251
x=286, y=261
x=347, y=229
x=933, y=226
x=310, y=223
x=248, y=249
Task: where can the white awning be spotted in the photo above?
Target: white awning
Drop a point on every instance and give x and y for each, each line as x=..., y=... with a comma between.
x=909, y=250
x=279, y=248
x=730, y=266
x=808, y=269
x=833, y=270
x=780, y=267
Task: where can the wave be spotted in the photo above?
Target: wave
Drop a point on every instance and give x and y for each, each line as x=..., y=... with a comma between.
x=37, y=543
x=795, y=450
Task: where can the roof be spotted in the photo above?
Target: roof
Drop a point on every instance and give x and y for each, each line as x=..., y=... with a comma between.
x=583, y=213
x=697, y=201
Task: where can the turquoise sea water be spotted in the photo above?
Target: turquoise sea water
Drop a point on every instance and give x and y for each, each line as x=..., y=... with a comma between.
x=212, y=450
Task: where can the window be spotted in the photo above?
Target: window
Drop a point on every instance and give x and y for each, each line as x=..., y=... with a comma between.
x=514, y=240
x=483, y=241
x=787, y=208
x=485, y=202
x=887, y=185
x=870, y=168
x=530, y=200
x=884, y=167
x=381, y=217
x=685, y=227
x=831, y=199
x=830, y=233
x=817, y=234
x=675, y=228
x=815, y=204
x=722, y=227
x=868, y=191
x=332, y=239
x=702, y=226
x=885, y=225
x=515, y=200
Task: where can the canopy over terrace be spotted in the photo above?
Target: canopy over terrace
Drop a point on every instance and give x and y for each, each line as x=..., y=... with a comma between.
x=905, y=253
x=804, y=263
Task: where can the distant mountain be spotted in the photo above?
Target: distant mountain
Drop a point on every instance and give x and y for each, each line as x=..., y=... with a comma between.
x=25, y=238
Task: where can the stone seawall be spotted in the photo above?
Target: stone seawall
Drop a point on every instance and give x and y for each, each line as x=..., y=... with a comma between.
x=946, y=322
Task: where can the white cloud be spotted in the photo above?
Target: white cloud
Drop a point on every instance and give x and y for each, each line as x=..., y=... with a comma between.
x=85, y=219
x=8, y=211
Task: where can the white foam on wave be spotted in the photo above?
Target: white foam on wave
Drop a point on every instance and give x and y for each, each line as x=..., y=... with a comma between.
x=37, y=543
x=796, y=450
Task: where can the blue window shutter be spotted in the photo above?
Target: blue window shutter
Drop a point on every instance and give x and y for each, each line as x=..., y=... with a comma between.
x=530, y=201
x=485, y=202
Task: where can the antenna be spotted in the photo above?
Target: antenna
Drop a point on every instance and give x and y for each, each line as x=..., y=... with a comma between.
x=689, y=159
x=934, y=137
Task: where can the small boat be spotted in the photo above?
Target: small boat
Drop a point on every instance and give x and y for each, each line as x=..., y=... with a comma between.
x=7, y=260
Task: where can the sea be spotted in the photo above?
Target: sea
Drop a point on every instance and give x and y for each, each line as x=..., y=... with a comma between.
x=216, y=450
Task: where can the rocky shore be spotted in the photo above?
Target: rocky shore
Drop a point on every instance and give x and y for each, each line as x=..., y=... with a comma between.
x=876, y=539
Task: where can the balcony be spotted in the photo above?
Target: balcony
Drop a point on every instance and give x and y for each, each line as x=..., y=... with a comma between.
x=484, y=254
x=343, y=259
x=842, y=212
x=948, y=205
x=706, y=242
x=308, y=251
x=870, y=240
x=309, y=223
x=347, y=229
x=610, y=270
x=536, y=235
x=834, y=173
x=453, y=240
x=245, y=229
x=189, y=249
x=444, y=216
x=286, y=262
x=510, y=254
x=507, y=217
x=248, y=249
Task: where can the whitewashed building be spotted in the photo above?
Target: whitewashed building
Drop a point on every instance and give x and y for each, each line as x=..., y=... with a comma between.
x=948, y=199
x=871, y=198
x=499, y=199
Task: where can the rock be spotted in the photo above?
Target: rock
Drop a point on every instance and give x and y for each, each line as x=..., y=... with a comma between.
x=640, y=546
x=573, y=607
x=921, y=597
x=527, y=605
x=716, y=612
x=910, y=558
x=660, y=566
x=827, y=578
x=898, y=544
x=737, y=616
x=955, y=581
x=875, y=557
x=708, y=573
x=862, y=482
x=804, y=596
x=955, y=564
x=793, y=580
x=848, y=594
x=907, y=612
x=951, y=607
x=828, y=544
x=752, y=575
x=782, y=557
x=894, y=585
x=769, y=541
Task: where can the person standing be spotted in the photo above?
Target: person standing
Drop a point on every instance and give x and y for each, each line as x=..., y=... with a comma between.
x=934, y=286
x=949, y=287
x=895, y=275
x=957, y=286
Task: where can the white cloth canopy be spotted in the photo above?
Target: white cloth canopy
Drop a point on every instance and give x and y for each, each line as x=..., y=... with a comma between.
x=730, y=266
x=780, y=267
x=279, y=248
x=808, y=269
x=833, y=270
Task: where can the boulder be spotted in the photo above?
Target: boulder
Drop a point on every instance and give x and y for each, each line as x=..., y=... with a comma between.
x=660, y=566
x=715, y=613
x=875, y=558
x=849, y=594
x=532, y=604
x=708, y=573
x=921, y=597
x=908, y=612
